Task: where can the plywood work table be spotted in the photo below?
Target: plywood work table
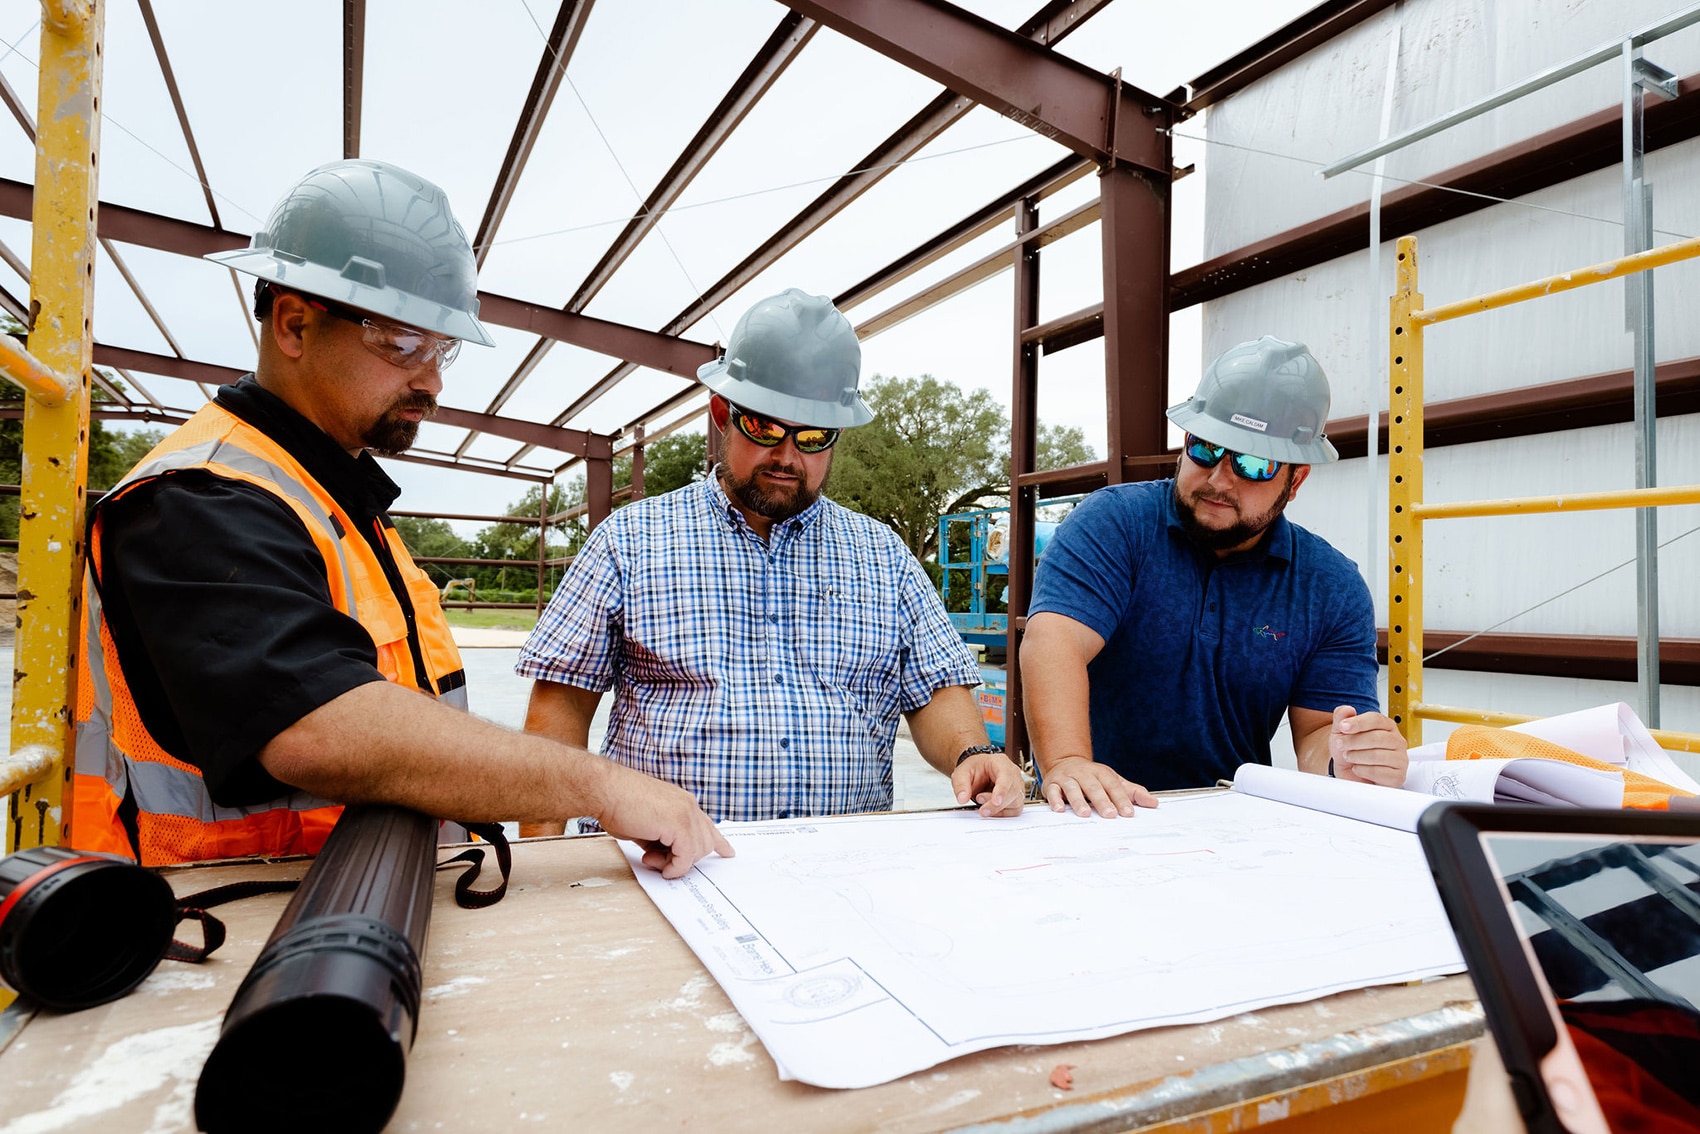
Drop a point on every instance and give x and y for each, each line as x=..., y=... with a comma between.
x=574, y=1005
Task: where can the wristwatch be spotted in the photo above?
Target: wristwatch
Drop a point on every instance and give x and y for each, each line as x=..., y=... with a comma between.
x=975, y=751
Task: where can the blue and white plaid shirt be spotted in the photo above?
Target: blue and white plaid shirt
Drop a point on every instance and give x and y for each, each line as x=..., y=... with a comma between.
x=764, y=678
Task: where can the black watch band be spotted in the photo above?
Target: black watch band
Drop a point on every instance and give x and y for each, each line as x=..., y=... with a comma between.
x=975, y=751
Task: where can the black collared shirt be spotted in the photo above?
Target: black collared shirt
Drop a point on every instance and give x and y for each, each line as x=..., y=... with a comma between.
x=218, y=603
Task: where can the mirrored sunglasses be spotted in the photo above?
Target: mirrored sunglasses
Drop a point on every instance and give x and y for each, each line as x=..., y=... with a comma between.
x=1246, y=467
x=767, y=433
x=395, y=344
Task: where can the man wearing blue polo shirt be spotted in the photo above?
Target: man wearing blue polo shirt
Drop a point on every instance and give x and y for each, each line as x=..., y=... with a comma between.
x=1174, y=621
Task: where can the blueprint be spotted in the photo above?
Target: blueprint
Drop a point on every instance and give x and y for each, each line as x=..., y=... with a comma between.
x=864, y=948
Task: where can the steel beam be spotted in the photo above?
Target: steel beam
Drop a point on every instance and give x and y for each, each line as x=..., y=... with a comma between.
x=551, y=69
x=1551, y=158
x=783, y=46
x=1582, y=657
x=574, y=441
x=353, y=74
x=658, y=351
x=1095, y=115
x=1049, y=25
x=170, y=77
x=988, y=217
x=1316, y=27
x=1135, y=233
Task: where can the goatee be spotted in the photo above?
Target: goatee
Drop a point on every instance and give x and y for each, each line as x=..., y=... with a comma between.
x=774, y=503
x=392, y=434
x=1241, y=531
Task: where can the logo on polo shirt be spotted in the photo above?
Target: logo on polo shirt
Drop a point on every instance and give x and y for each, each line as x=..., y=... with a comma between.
x=1265, y=632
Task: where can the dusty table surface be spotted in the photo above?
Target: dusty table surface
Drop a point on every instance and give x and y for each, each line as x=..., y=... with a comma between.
x=574, y=1002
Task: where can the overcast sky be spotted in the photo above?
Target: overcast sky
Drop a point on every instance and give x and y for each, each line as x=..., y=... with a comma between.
x=444, y=82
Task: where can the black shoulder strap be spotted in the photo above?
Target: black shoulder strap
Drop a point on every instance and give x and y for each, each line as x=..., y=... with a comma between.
x=193, y=907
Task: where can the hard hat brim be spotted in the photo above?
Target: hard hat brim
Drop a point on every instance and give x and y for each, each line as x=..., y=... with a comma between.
x=385, y=303
x=1321, y=451
x=786, y=407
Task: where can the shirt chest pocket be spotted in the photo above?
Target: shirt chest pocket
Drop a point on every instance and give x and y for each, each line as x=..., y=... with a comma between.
x=671, y=636
x=850, y=641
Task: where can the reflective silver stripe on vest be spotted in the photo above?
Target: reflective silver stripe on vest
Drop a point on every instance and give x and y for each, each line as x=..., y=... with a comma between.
x=233, y=456
x=96, y=754
x=160, y=789
x=456, y=698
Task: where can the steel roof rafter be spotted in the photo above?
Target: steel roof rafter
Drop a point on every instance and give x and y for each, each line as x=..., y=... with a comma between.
x=782, y=46
x=1048, y=26
x=573, y=441
x=551, y=69
x=170, y=78
x=353, y=74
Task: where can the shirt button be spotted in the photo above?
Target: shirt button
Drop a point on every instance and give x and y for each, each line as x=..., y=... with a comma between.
x=773, y=618
x=785, y=742
x=778, y=679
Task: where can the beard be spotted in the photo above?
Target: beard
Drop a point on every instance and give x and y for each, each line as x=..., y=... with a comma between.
x=774, y=503
x=1241, y=531
x=393, y=434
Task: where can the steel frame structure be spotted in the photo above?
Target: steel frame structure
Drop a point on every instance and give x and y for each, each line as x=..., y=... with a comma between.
x=1110, y=127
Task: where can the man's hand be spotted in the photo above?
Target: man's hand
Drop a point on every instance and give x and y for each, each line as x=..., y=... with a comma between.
x=1085, y=786
x=1366, y=748
x=663, y=819
x=992, y=780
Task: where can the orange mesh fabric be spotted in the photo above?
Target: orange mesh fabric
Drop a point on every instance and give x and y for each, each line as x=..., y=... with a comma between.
x=1479, y=742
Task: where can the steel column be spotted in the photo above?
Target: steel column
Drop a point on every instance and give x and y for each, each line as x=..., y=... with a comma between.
x=599, y=488
x=548, y=490
x=55, y=451
x=1404, y=491
x=1638, y=313
x=1023, y=448
x=637, y=465
x=1135, y=232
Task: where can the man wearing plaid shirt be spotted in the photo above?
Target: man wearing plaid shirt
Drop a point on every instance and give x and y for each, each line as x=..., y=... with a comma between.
x=761, y=640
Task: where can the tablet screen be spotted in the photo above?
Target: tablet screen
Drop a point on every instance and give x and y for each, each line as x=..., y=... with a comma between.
x=1614, y=926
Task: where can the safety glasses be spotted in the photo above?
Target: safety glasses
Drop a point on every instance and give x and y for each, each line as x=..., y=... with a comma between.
x=395, y=344
x=1246, y=467
x=767, y=433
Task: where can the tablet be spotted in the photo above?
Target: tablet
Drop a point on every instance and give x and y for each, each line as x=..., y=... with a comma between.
x=1581, y=929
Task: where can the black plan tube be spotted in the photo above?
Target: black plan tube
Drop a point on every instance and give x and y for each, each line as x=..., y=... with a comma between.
x=316, y=1040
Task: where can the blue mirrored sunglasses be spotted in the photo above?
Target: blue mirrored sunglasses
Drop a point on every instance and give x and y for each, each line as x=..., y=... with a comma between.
x=1246, y=467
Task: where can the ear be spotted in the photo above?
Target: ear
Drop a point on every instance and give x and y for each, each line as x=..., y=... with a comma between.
x=1300, y=472
x=288, y=323
x=719, y=413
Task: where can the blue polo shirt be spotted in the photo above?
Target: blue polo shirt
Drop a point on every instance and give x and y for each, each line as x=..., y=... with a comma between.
x=1202, y=655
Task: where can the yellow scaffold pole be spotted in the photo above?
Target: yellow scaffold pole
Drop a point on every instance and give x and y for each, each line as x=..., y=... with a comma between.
x=37, y=767
x=1404, y=490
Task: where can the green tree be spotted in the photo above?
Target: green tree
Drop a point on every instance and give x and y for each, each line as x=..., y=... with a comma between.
x=671, y=462
x=930, y=446
x=427, y=539
x=1062, y=446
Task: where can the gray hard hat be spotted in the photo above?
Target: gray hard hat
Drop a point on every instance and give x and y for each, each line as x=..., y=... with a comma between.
x=795, y=357
x=1268, y=398
x=374, y=237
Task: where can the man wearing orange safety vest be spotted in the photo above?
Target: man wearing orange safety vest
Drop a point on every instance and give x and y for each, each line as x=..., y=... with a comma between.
x=258, y=646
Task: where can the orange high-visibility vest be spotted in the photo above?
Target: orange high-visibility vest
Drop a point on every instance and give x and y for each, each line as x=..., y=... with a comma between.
x=176, y=819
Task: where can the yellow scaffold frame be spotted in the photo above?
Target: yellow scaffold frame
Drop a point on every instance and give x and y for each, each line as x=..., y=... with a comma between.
x=36, y=769
x=1407, y=511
